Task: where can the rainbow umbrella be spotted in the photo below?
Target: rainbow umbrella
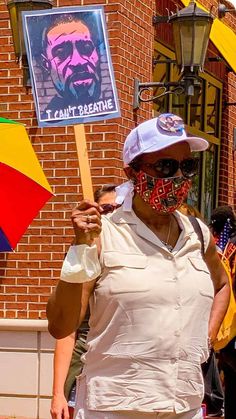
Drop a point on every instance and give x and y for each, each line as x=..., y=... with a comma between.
x=24, y=188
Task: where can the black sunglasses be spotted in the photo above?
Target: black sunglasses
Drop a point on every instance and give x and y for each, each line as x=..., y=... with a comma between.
x=106, y=208
x=165, y=168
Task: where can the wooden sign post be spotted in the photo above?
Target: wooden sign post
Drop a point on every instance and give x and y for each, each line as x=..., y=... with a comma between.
x=82, y=151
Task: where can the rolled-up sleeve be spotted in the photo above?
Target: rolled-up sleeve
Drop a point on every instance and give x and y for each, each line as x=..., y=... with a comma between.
x=81, y=264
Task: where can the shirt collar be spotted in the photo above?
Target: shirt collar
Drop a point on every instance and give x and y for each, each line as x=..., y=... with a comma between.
x=129, y=217
x=120, y=217
x=124, y=217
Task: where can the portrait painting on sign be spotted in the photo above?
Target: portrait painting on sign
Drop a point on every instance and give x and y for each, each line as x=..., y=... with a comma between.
x=70, y=65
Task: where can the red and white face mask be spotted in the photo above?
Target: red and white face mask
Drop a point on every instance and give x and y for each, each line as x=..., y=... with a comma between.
x=162, y=194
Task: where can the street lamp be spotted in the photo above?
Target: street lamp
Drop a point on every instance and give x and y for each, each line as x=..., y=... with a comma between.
x=15, y=7
x=191, y=31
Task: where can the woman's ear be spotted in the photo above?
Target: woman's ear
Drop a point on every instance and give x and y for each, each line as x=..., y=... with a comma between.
x=130, y=173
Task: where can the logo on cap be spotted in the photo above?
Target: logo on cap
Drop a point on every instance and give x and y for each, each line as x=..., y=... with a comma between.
x=171, y=123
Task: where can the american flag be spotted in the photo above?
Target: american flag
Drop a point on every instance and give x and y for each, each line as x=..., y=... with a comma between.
x=224, y=236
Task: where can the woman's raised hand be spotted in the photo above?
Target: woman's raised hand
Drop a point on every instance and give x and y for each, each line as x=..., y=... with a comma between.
x=86, y=221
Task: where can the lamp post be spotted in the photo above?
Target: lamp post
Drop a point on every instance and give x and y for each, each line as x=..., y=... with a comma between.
x=191, y=30
x=15, y=7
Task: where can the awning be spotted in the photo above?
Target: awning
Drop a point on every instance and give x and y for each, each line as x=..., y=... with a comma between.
x=222, y=37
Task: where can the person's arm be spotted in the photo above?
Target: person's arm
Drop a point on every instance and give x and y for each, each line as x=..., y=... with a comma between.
x=221, y=287
x=62, y=358
x=66, y=307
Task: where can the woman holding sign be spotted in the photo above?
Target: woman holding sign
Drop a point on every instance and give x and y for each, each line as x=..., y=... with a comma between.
x=156, y=305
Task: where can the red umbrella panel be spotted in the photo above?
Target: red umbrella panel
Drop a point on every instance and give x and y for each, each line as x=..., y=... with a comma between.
x=24, y=187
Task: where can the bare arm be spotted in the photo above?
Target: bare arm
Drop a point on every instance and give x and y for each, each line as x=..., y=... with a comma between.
x=67, y=307
x=222, y=290
x=68, y=304
x=62, y=357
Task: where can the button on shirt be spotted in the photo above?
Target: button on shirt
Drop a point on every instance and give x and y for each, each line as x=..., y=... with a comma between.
x=149, y=319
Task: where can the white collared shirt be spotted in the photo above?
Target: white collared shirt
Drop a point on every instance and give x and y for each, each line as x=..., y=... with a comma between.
x=149, y=319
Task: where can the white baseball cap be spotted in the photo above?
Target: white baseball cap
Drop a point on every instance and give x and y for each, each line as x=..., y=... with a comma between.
x=158, y=133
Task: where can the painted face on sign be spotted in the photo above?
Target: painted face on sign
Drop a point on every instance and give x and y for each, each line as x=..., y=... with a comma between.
x=73, y=61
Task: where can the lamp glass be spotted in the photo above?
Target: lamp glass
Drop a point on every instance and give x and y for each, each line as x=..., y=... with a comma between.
x=15, y=8
x=202, y=33
x=191, y=30
x=14, y=27
x=191, y=40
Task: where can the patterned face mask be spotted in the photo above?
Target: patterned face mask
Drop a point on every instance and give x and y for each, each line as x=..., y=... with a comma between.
x=162, y=194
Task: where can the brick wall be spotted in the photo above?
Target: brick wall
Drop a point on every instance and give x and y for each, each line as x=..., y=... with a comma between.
x=28, y=276
x=227, y=186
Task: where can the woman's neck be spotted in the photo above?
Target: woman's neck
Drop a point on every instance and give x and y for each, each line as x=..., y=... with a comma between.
x=165, y=226
x=147, y=214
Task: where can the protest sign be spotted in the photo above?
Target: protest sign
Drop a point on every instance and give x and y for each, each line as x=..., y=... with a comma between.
x=70, y=65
